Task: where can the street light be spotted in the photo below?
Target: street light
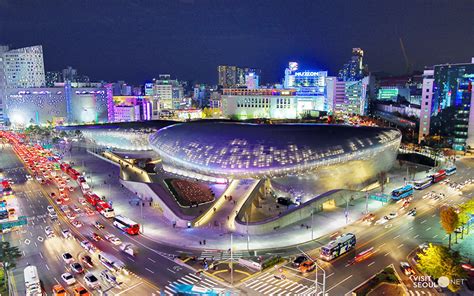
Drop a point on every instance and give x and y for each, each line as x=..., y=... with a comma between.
x=316, y=281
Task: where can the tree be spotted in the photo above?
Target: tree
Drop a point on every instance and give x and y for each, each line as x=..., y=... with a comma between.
x=465, y=211
x=8, y=256
x=449, y=220
x=437, y=261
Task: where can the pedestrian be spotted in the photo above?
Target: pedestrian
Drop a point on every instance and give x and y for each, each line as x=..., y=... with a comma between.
x=204, y=242
x=150, y=203
x=200, y=243
x=143, y=204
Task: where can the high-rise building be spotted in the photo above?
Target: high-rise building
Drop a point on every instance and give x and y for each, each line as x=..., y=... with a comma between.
x=22, y=67
x=168, y=94
x=447, y=106
x=355, y=69
x=233, y=76
x=346, y=98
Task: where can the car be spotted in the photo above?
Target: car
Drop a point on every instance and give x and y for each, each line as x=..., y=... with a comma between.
x=67, y=257
x=71, y=216
x=96, y=237
x=77, y=223
x=113, y=239
x=298, y=260
x=80, y=291
x=424, y=246
x=91, y=280
x=59, y=290
x=68, y=278
x=368, y=218
x=108, y=276
x=28, y=177
x=77, y=267
x=405, y=205
x=58, y=201
x=71, y=189
x=392, y=215
x=76, y=209
x=412, y=212
x=307, y=266
x=82, y=201
x=406, y=268
x=65, y=209
x=89, y=212
x=52, y=195
x=39, y=179
x=50, y=209
x=66, y=233
x=98, y=225
x=53, y=216
x=87, y=261
x=49, y=231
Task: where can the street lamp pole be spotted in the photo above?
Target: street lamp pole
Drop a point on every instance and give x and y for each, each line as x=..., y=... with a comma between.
x=248, y=235
x=347, y=210
x=231, y=260
x=366, y=203
x=312, y=224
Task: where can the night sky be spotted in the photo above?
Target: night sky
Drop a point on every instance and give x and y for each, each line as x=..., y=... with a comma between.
x=136, y=40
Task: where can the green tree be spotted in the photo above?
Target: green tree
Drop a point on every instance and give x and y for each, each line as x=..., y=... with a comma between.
x=449, y=220
x=465, y=211
x=437, y=261
x=8, y=257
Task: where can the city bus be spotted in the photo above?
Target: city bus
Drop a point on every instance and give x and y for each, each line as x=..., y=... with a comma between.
x=423, y=183
x=337, y=247
x=111, y=262
x=450, y=171
x=439, y=176
x=105, y=209
x=402, y=192
x=127, y=225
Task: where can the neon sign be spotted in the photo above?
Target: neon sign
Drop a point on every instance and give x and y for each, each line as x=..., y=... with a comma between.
x=307, y=74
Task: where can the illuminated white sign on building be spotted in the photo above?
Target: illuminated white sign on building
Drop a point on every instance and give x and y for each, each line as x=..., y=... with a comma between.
x=307, y=73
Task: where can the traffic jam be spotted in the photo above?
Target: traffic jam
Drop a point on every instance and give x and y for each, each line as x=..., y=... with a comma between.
x=92, y=269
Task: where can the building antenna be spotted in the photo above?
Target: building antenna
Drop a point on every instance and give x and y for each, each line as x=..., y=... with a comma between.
x=407, y=63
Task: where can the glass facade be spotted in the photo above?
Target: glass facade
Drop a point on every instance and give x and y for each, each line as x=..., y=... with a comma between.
x=451, y=104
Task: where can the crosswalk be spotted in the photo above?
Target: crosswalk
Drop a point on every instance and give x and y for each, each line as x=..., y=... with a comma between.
x=220, y=255
x=189, y=279
x=267, y=284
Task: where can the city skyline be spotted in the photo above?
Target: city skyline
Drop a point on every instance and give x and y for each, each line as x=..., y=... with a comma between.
x=190, y=39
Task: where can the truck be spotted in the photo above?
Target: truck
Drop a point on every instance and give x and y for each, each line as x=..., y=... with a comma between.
x=73, y=173
x=85, y=187
x=32, y=281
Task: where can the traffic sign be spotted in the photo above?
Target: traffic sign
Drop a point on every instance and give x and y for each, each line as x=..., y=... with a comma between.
x=379, y=197
x=22, y=220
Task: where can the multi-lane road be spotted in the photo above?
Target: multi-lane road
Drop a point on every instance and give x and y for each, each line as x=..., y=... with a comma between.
x=152, y=271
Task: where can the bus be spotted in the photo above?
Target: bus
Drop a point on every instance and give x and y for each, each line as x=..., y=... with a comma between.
x=337, y=247
x=402, y=192
x=85, y=187
x=423, y=183
x=127, y=225
x=450, y=171
x=105, y=209
x=111, y=262
x=440, y=175
x=32, y=281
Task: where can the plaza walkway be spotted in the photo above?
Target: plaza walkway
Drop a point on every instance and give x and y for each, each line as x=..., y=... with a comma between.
x=104, y=178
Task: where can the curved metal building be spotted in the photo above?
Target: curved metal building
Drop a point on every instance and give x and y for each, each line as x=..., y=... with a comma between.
x=240, y=150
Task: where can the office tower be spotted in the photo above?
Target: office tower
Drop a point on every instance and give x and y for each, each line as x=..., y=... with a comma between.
x=233, y=76
x=354, y=70
x=447, y=104
x=22, y=67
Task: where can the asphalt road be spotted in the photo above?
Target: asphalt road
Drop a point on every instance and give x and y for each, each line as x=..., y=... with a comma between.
x=150, y=271
x=392, y=243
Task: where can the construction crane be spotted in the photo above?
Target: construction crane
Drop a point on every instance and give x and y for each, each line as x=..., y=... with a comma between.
x=407, y=63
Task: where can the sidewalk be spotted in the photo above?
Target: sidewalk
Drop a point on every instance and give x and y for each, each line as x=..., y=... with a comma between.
x=104, y=181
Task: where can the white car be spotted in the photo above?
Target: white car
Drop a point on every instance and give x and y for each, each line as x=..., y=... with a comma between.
x=53, y=216
x=50, y=209
x=49, y=231
x=76, y=209
x=77, y=223
x=66, y=233
x=68, y=278
x=82, y=201
x=113, y=239
x=392, y=215
x=67, y=257
x=382, y=220
x=88, y=246
x=91, y=280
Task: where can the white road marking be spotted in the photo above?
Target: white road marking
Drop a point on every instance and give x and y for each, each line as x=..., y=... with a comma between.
x=172, y=271
x=433, y=215
x=397, y=236
x=151, y=260
x=382, y=245
x=47, y=267
x=149, y=270
x=339, y=283
x=386, y=254
x=435, y=236
x=41, y=255
x=371, y=264
x=416, y=236
x=423, y=221
x=330, y=275
x=428, y=229
x=399, y=246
